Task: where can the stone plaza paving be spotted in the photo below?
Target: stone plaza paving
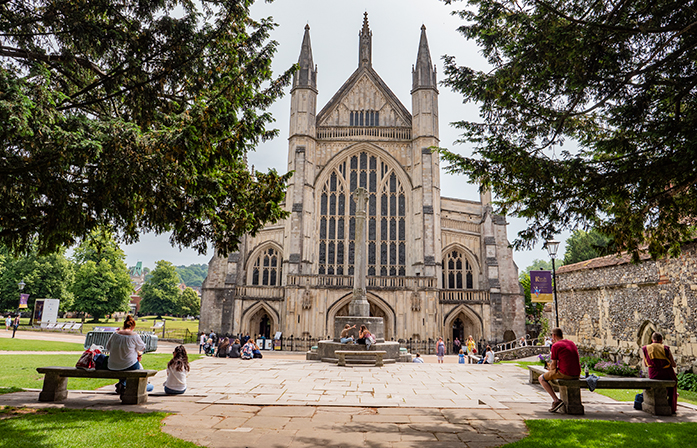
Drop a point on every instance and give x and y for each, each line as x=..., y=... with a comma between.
x=285, y=401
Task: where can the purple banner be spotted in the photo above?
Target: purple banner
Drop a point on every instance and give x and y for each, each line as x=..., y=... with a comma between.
x=541, y=286
x=23, y=298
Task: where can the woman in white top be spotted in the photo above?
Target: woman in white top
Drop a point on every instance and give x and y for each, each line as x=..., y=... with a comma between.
x=125, y=347
x=177, y=368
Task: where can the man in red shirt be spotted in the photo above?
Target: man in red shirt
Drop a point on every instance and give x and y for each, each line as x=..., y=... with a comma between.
x=564, y=365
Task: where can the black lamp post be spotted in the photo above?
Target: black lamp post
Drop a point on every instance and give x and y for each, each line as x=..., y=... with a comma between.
x=552, y=247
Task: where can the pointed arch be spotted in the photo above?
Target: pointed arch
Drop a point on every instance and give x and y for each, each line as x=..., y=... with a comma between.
x=646, y=330
x=264, y=265
x=363, y=165
x=388, y=314
x=476, y=327
x=460, y=268
x=250, y=312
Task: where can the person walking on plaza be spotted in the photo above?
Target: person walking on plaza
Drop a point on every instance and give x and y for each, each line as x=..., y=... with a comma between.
x=440, y=350
x=564, y=364
x=471, y=346
x=202, y=342
x=8, y=323
x=15, y=325
x=456, y=345
x=661, y=364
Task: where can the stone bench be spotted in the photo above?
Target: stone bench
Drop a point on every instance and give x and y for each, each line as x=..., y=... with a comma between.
x=377, y=354
x=56, y=382
x=655, y=394
x=473, y=359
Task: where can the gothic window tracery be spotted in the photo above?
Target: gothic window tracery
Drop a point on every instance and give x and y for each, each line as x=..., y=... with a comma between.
x=457, y=271
x=386, y=218
x=364, y=118
x=266, y=270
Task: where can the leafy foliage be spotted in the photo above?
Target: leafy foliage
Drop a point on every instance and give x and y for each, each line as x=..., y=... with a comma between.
x=134, y=116
x=687, y=381
x=616, y=79
x=189, y=303
x=590, y=361
x=102, y=284
x=160, y=295
x=193, y=275
x=45, y=277
x=616, y=368
x=582, y=246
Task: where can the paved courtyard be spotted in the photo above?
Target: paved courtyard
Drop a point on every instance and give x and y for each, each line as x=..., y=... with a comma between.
x=285, y=401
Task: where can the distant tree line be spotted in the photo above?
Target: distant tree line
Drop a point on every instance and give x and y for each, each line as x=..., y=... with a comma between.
x=94, y=280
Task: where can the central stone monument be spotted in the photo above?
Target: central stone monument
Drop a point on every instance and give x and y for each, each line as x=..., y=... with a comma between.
x=359, y=307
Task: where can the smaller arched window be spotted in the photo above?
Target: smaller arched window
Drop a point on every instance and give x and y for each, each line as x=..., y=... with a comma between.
x=266, y=270
x=457, y=271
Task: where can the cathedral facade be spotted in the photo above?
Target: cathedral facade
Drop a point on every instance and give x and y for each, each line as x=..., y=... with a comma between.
x=436, y=266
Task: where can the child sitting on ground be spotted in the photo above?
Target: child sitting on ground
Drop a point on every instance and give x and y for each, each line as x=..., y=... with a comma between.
x=177, y=368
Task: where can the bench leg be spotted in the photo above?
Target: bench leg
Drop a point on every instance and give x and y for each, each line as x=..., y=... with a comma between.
x=571, y=396
x=135, y=392
x=55, y=388
x=342, y=360
x=656, y=401
x=378, y=361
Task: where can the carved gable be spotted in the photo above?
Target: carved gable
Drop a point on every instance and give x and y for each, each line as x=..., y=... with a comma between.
x=364, y=91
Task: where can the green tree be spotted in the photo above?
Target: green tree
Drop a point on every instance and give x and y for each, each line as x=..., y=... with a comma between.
x=99, y=290
x=193, y=275
x=45, y=277
x=616, y=79
x=160, y=295
x=533, y=310
x=582, y=246
x=189, y=303
x=102, y=283
x=135, y=116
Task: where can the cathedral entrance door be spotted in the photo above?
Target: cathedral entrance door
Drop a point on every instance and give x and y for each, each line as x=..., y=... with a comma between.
x=265, y=326
x=459, y=330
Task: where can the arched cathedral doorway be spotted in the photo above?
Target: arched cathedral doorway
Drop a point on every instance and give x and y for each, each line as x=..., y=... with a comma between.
x=260, y=323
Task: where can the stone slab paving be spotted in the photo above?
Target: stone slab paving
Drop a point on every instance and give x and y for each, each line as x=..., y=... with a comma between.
x=295, y=403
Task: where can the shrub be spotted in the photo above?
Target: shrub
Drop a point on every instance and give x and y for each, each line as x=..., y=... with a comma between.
x=617, y=368
x=590, y=361
x=687, y=381
x=544, y=359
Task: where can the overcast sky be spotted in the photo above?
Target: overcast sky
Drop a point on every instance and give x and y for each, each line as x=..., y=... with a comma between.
x=334, y=27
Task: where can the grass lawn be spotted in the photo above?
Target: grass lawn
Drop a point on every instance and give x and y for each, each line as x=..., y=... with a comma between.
x=141, y=324
x=29, y=345
x=602, y=434
x=617, y=394
x=20, y=371
x=32, y=428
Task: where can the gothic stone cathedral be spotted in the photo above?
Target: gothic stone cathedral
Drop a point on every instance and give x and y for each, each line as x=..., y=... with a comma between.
x=436, y=266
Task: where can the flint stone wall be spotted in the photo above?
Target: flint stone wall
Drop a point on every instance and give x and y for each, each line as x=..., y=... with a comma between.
x=608, y=305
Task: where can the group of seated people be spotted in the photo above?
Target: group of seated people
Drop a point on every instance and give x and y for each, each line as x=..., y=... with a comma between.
x=234, y=349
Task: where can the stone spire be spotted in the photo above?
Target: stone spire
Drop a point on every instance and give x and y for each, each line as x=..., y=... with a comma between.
x=306, y=76
x=365, y=50
x=424, y=72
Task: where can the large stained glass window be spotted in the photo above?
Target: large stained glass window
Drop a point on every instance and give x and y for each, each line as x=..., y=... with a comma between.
x=386, y=220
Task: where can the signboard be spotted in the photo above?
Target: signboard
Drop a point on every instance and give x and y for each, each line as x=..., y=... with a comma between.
x=541, y=286
x=45, y=311
x=276, y=344
x=23, y=299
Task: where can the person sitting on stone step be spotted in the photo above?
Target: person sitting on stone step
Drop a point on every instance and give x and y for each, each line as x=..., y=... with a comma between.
x=345, y=336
